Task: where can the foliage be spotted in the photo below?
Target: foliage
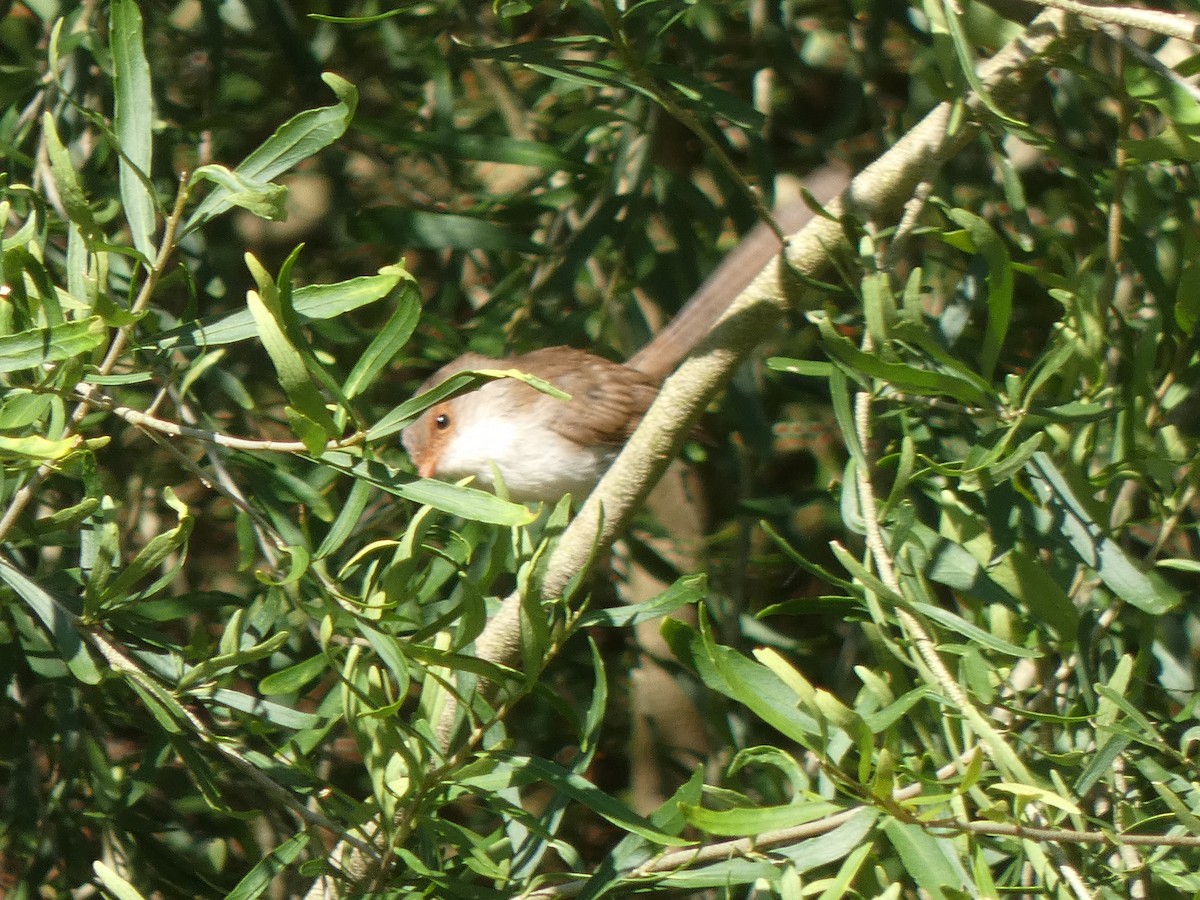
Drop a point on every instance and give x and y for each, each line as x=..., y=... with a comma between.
x=954, y=660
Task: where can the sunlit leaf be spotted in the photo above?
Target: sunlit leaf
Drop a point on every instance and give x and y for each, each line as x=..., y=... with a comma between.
x=133, y=117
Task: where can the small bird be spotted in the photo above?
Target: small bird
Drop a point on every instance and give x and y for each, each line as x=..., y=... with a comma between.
x=544, y=447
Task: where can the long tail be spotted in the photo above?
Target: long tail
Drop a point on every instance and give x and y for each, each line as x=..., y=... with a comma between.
x=731, y=277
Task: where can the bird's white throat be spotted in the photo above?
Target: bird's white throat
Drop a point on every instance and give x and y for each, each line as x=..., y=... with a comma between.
x=534, y=461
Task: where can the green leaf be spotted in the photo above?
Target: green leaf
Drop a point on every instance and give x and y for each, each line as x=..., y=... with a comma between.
x=62, y=169
x=313, y=435
x=129, y=378
x=810, y=367
x=21, y=265
x=293, y=375
x=999, y=281
x=965, y=629
x=347, y=520
x=28, y=349
x=531, y=770
x=62, y=624
x=1187, y=297
x=966, y=61
x=1183, y=815
x=714, y=101
x=839, y=887
x=750, y=683
x=391, y=652
x=879, y=306
x=133, y=118
x=161, y=705
x=158, y=548
x=1014, y=461
x=1174, y=144
x=274, y=864
x=387, y=343
x=883, y=719
x=1179, y=140
x=843, y=413
x=463, y=145
x=38, y=448
x=799, y=559
x=114, y=883
x=756, y=820
x=357, y=20
x=479, y=506
x=900, y=375
x=804, y=856
x=298, y=559
x=930, y=861
x=1031, y=584
x=311, y=303
x=295, y=141
x=1100, y=764
x=263, y=198
x=1038, y=794
x=1148, y=591
x=1144, y=730
x=265, y=710
x=686, y=590
x=293, y=678
x=225, y=662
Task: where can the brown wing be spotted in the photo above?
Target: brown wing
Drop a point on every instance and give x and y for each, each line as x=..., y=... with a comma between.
x=608, y=399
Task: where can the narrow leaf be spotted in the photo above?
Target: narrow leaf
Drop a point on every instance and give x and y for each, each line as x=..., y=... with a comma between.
x=258, y=879
x=59, y=621
x=296, y=140
x=387, y=343
x=224, y=662
x=31, y=348
x=999, y=282
x=114, y=883
x=756, y=820
x=1148, y=591
x=587, y=794
x=469, y=503
x=133, y=117
x=311, y=303
x=688, y=589
x=62, y=169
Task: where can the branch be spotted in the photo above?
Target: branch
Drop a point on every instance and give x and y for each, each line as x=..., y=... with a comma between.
x=154, y=423
x=1176, y=25
x=884, y=186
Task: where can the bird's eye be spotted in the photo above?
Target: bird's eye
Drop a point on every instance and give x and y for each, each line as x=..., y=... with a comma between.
x=442, y=422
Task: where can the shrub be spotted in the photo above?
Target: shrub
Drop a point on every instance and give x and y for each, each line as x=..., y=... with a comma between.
x=248, y=651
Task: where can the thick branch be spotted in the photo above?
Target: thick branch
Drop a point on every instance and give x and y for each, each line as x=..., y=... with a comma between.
x=882, y=187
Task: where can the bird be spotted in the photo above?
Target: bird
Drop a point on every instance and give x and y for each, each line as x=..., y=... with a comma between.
x=542, y=447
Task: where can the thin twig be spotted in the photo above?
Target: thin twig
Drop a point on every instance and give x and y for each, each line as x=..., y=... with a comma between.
x=173, y=429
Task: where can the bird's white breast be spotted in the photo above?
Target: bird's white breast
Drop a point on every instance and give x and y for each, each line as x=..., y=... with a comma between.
x=535, y=462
